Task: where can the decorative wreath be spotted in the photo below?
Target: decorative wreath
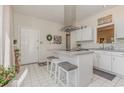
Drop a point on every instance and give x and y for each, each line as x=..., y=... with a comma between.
x=49, y=37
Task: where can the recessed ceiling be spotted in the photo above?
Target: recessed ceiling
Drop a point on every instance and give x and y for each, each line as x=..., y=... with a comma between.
x=55, y=13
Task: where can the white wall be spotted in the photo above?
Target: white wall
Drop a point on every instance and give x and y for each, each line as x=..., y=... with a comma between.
x=45, y=27
x=7, y=29
x=117, y=13
x=1, y=30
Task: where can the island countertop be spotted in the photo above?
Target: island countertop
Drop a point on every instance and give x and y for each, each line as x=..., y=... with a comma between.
x=73, y=53
x=83, y=59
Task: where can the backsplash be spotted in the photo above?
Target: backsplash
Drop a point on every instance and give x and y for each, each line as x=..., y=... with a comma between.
x=118, y=45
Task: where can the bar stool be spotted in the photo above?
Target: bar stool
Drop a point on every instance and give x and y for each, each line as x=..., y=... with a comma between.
x=49, y=59
x=66, y=68
x=54, y=69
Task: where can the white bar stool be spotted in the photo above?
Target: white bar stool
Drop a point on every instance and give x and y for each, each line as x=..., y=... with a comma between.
x=67, y=68
x=49, y=59
x=54, y=69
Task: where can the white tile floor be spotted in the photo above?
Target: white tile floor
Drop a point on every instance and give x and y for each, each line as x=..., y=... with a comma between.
x=38, y=77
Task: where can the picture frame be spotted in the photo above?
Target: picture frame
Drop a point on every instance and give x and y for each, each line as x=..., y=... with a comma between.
x=57, y=39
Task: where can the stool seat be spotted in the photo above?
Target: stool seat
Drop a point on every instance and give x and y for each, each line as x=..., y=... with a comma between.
x=54, y=68
x=49, y=59
x=52, y=57
x=67, y=66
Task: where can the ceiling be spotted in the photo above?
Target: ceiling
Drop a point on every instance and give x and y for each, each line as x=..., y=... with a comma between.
x=84, y=11
x=55, y=13
x=48, y=12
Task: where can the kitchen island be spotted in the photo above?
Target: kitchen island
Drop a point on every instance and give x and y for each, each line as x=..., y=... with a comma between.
x=83, y=60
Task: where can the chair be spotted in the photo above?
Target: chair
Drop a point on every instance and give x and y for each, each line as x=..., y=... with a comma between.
x=49, y=59
x=67, y=68
x=54, y=68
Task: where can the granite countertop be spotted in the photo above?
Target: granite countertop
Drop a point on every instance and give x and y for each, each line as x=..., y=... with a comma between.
x=74, y=53
x=114, y=50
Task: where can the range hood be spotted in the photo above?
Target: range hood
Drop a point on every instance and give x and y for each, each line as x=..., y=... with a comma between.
x=69, y=18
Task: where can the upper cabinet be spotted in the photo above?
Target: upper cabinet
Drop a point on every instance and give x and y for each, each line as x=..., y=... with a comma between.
x=85, y=34
x=119, y=28
x=79, y=35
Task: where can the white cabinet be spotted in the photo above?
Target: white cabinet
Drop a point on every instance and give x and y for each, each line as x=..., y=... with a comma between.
x=87, y=34
x=84, y=34
x=79, y=35
x=109, y=61
x=96, y=60
x=105, y=62
x=118, y=64
x=119, y=28
x=102, y=60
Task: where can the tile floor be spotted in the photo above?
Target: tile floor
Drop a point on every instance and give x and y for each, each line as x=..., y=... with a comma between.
x=38, y=77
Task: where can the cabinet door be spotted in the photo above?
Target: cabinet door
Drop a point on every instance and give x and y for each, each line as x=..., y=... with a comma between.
x=118, y=65
x=96, y=60
x=105, y=62
x=84, y=35
x=87, y=34
x=119, y=28
x=79, y=35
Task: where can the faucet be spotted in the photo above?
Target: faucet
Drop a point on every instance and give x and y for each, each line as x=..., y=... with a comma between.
x=112, y=46
x=103, y=46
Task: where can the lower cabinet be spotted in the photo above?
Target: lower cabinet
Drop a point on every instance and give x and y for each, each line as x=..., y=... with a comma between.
x=118, y=64
x=102, y=60
x=105, y=62
x=109, y=61
x=96, y=60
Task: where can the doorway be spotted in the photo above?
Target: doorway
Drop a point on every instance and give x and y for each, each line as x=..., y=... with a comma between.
x=29, y=46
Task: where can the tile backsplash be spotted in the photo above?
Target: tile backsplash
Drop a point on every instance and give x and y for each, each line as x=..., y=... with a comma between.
x=118, y=45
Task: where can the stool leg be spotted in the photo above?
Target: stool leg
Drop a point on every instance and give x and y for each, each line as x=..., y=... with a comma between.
x=76, y=78
x=47, y=65
x=51, y=70
x=56, y=72
x=58, y=75
x=67, y=79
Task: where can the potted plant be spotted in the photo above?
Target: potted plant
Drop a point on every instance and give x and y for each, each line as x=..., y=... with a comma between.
x=17, y=54
x=6, y=75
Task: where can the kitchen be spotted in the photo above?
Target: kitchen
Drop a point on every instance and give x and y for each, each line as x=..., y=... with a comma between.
x=70, y=48
x=106, y=41
x=108, y=53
